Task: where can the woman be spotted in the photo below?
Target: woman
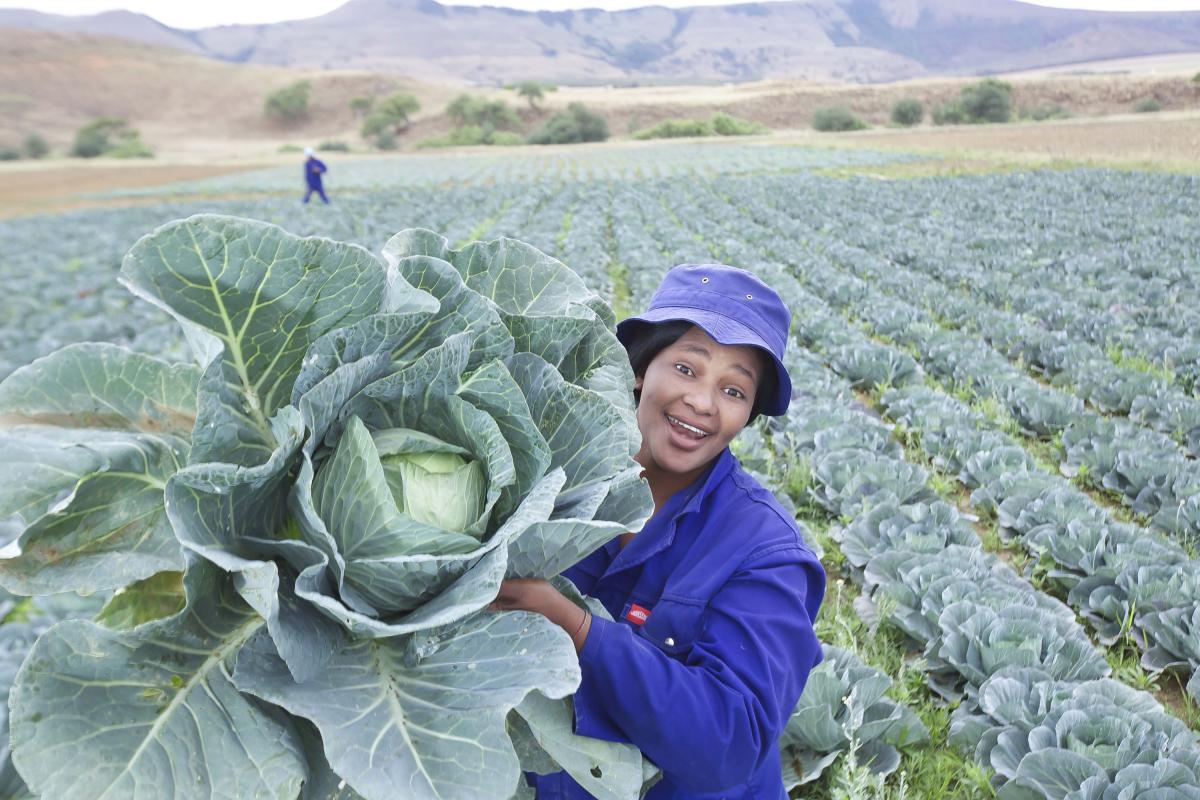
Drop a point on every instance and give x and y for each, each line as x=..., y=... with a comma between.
x=715, y=598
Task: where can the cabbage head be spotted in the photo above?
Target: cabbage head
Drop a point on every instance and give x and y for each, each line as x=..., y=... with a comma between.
x=303, y=528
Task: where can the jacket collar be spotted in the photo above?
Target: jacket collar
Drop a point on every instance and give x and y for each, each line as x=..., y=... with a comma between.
x=659, y=532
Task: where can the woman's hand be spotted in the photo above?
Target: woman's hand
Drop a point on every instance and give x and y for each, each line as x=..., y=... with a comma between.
x=538, y=596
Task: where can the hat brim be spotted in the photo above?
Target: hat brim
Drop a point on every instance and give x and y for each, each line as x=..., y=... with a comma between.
x=723, y=330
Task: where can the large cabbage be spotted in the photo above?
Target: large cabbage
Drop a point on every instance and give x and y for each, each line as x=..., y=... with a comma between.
x=305, y=527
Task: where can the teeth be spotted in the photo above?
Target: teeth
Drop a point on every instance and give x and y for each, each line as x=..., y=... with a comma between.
x=686, y=427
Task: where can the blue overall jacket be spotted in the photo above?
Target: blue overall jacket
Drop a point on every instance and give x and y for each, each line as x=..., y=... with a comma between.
x=714, y=602
x=313, y=169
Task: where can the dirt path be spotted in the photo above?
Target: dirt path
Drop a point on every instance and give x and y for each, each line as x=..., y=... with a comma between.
x=36, y=188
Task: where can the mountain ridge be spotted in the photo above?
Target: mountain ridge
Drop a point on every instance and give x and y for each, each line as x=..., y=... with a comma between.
x=864, y=41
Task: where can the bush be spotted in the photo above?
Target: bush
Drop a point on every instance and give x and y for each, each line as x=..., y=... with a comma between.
x=728, y=125
x=361, y=105
x=506, y=139
x=289, y=104
x=290, y=148
x=109, y=136
x=576, y=124
x=467, y=111
x=462, y=136
x=1196, y=78
x=951, y=113
x=35, y=146
x=837, y=118
x=908, y=111
x=989, y=100
x=10, y=154
x=130, y=148
x=386, y=140
x=1043, y=113
x=1147, y=105
x=334, y=147
x=675, y=128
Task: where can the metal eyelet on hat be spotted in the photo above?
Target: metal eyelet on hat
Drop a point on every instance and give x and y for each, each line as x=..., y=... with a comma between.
x=669, y=641
x=704, y=280
x=749, y=297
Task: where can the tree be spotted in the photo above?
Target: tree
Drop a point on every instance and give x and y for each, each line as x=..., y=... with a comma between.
x=908, y=111
x=989, y=100
x=102, y=136
x=35, y=146
x=289, y=104
x=494, y=114
x=837, y=118
x=361, y=105
x=531, y=91
x=576, y=124
x=390, y=117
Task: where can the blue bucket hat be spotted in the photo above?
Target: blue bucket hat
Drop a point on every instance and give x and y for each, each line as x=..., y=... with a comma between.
x=732, y=306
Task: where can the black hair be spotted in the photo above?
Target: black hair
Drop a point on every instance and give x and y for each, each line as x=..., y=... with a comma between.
x=648, y=339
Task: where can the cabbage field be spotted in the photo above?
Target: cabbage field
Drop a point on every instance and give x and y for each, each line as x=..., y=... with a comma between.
x=994, y=443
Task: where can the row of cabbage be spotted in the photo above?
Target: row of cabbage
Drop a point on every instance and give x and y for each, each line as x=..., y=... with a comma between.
x=1149, y=470
x=1120, y=568
x=1120, y=577
x=63, y=288
x=650, y=161
x=1035, y=703
x=1108, y=257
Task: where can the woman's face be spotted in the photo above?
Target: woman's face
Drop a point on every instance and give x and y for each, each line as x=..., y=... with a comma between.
x=696, y=394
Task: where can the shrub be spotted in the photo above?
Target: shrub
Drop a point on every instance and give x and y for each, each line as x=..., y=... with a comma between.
x=989, y=100
x=506, y=139
x=576, y=124
x=289, y=104
x=466, y=110
x=108, y=136
x=951, y=113
x=290, y=148
x=1147, y=105
x=908, y=111
x=132, y=147
x=462, y=136
x=728, y=125
x=361, y=105
x=1196, y=78
x=837, y=118
x=334, y=147
x=1042, y=113
x=35, y=146
x=386, y=141
x=675, y=128
x=9, y=153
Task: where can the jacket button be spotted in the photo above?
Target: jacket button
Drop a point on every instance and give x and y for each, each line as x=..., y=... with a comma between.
x=669, y=642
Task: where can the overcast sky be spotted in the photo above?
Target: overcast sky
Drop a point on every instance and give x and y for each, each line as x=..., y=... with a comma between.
x=226, y=12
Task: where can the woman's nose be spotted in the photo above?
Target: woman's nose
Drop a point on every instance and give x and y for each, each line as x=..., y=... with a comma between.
x=700, y=401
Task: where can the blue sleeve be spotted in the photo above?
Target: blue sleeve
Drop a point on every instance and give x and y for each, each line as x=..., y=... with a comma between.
x=734, y=692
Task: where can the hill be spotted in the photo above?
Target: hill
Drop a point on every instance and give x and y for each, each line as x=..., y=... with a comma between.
x=192, y=108
x=183, y=104
x=844, y=40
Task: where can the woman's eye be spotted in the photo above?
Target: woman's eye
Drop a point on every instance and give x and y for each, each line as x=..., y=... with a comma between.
x=738, y=393
x=685, y=369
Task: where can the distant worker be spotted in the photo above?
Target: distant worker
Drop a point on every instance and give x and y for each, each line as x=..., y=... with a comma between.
x=314, y=168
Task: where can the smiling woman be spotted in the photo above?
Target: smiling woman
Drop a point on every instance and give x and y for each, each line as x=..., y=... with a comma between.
x=713, y=601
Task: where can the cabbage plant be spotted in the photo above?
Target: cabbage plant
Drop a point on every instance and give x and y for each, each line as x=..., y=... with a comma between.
x=305, y=526
x=844, y=707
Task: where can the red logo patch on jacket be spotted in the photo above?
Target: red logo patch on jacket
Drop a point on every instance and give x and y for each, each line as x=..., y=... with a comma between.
x=637, y=614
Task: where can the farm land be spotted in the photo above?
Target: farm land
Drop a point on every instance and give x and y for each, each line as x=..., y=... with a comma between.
x=994, y=440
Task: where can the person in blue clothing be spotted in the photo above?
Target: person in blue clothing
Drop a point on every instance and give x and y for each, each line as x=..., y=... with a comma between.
x=714, y=600
x=314, y=168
